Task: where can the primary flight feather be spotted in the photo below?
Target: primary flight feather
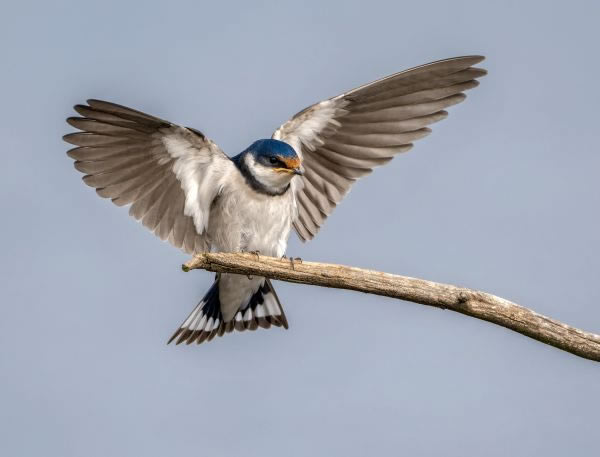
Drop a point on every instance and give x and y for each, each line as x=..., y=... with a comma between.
x=184, y=188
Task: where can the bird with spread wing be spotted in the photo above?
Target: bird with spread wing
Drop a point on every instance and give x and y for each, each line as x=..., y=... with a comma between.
x=184, y=188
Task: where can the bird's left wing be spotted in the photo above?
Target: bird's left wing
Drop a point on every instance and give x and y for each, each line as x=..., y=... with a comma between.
x=169, y=174
x=345, y=137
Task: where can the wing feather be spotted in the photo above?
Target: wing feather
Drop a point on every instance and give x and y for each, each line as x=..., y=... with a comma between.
x=380, y=140
x=406, y=125
x=348, y=161
x=342, y=139
x=400, y=113
x=168, y=174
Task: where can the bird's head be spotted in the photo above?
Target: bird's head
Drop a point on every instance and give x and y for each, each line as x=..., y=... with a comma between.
x=272, y=163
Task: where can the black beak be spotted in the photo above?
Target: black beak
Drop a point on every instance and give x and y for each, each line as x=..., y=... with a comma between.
x=298, y=171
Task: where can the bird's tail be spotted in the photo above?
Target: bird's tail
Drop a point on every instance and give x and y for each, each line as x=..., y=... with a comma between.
x=206, y=321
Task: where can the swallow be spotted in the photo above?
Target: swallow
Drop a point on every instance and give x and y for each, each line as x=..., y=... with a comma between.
x=185, y=189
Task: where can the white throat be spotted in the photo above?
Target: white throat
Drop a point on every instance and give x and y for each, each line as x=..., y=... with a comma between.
x=274, y=181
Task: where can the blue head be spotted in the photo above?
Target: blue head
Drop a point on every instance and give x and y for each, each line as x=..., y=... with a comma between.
x=269, y=165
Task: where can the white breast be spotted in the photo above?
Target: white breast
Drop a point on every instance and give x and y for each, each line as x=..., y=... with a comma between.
x=245, y=220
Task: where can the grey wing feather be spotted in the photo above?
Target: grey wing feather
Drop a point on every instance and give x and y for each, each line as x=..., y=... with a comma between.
x=343, y=138
x=168, y=174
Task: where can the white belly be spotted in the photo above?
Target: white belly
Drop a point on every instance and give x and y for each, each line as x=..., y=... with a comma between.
x=244, y=220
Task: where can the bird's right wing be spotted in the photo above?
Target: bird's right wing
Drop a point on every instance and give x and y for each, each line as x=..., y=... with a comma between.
x=169, y=174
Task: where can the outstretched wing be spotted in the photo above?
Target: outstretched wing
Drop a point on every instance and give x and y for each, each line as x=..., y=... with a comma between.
x=169, y=174
x=345, y=137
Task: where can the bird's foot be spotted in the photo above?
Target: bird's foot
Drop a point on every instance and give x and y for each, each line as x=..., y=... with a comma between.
x=292, y=261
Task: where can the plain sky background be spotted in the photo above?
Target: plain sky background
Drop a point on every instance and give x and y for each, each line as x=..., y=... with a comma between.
x=503, y=197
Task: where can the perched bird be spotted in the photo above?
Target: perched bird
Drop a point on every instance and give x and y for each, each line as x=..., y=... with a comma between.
x=186, y=190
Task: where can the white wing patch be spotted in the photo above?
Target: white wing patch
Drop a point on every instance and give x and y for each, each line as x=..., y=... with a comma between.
x=308, y=127
x=200, y=175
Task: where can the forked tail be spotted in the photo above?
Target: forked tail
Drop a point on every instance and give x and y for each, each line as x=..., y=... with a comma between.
x=206, y=321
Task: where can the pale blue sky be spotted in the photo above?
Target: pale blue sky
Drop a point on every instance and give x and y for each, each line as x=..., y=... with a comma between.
x=503, y=197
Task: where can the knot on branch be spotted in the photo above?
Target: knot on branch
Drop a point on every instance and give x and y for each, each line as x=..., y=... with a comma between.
x=463, y=297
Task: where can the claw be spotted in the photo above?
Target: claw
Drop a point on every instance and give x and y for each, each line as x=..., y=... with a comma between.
x=292, y=260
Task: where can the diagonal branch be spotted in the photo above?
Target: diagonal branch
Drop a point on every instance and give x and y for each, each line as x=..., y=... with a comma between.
x=465, y=301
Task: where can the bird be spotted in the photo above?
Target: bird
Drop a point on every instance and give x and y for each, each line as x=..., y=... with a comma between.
x=186, y=190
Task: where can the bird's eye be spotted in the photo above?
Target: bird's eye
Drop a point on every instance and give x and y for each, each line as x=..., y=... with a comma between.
x=273, y=160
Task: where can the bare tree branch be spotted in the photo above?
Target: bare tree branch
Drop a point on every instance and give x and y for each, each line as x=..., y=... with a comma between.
x=465, y=301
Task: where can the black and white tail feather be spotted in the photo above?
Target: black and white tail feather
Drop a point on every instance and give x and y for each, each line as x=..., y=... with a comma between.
x=206, y=321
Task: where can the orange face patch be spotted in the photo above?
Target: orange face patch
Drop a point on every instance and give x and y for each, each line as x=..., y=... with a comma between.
x=291, y=163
